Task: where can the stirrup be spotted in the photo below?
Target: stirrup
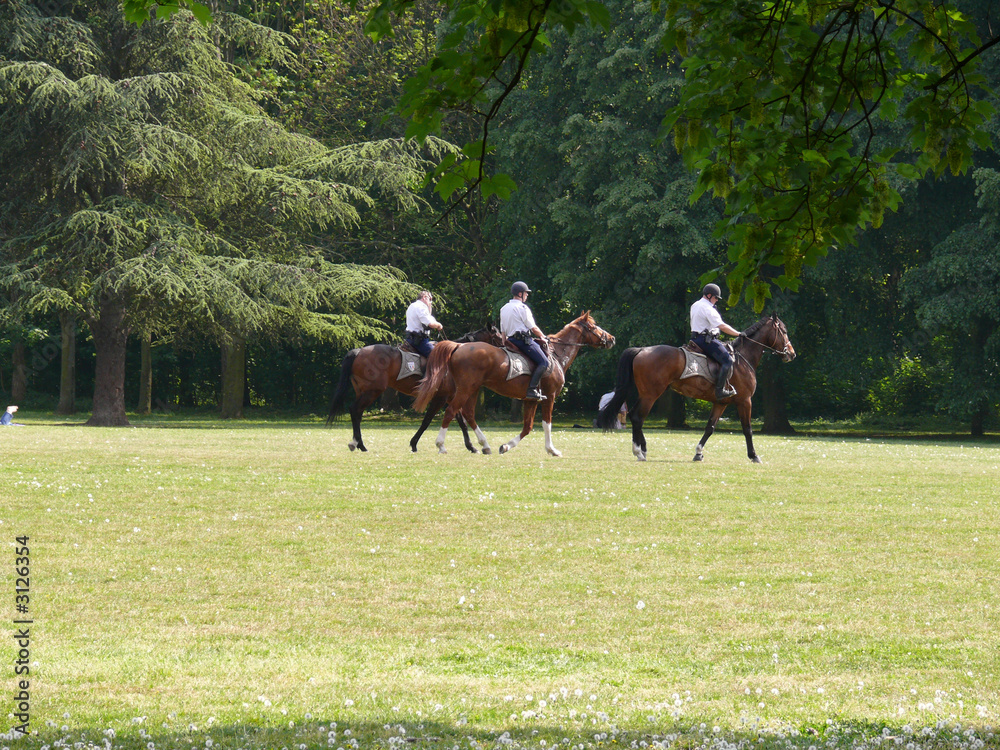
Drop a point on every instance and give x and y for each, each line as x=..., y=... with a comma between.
x=725, y=392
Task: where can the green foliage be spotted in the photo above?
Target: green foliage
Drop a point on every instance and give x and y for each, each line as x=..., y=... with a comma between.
x=958, y=291
x=910, y=390
x=144, y=178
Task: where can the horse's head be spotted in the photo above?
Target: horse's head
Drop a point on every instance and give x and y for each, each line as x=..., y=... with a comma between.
x=488, y=334
x=780, y=342
x=593, y=334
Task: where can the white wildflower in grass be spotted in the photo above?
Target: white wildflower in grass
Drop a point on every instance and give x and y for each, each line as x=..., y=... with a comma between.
x=348, y=702
x=640, y=605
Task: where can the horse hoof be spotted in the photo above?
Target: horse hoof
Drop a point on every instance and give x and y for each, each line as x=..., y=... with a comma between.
x=555, y=453
x=362, y=449
x=697, y=457
x=352, y=446
x=413, y=448
x=487, y=451
x=756, y=460
x=471, y=449
x=504, y=449
x=442, y=449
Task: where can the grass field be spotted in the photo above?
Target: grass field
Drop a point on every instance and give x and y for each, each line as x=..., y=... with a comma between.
x=259, y=586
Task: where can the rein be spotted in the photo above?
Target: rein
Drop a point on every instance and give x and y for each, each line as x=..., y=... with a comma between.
x=761, y=344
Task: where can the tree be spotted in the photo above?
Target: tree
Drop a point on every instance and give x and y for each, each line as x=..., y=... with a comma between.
x=146, y=187
x=778, y=113
x=958, y=293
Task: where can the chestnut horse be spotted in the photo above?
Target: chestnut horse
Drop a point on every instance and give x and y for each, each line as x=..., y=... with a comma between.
x=473, y=366
x=373, y=369
x=653, y=369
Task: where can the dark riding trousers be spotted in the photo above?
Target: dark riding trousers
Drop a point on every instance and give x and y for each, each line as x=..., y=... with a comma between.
x=530, y=349
x=713, y=348
x=420, y=343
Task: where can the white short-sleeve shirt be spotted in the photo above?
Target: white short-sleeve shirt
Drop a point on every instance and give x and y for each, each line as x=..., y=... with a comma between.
x=418, y=317
x=515, y=317
x=704, y=316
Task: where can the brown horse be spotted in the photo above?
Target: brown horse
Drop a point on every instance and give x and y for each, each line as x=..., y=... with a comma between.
x=373, y=369
x=653, y=369
x=473, y=366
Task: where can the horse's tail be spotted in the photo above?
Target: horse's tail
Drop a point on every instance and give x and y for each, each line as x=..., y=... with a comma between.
x=608, y=416
x=434, y=374
x=345, y=379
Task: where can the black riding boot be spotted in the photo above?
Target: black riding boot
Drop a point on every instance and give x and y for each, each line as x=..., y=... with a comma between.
x=722, y=387
x=534, y=392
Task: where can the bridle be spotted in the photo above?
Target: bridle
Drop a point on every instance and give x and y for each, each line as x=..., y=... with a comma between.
x=783, y=352
x=588, y=327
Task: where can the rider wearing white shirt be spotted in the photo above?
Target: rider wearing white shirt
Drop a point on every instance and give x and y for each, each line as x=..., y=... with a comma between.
x=518, y=324
x=418, y=321
x=706, y=323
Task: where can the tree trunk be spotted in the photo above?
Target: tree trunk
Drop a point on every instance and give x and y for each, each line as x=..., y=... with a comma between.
x=978, y=422
x=146, y=375
x=234, y=370
x=67, y=365
x=19, y=379
x=676, y=411
x=516, y=410
x=771, y=387
x=110, y=339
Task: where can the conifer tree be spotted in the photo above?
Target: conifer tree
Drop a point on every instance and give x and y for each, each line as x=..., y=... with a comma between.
x=145, y=188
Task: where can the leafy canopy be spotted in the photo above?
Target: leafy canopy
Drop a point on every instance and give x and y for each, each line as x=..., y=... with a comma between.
x=778, y=115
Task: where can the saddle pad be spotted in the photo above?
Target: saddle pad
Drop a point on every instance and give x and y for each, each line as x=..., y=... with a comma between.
x=517, y=364
x=412, y=364
x=695, y=365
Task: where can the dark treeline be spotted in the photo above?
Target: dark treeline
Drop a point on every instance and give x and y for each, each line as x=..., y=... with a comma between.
x=904, y=324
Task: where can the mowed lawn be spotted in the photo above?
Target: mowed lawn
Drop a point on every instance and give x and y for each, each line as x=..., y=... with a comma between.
x=261, y=586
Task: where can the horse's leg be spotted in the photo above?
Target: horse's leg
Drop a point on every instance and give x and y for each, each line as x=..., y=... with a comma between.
x=713, y=419
x=638, y=416
x=454, y=407
x=432, y=409
x=529, y=422
x=743, y=407
x=547, y=408
x=469, y=410
x=362, y=402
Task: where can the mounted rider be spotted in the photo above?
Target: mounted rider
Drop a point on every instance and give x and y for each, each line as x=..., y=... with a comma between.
x=518, y=324
x=706, y=323
x=419, y=321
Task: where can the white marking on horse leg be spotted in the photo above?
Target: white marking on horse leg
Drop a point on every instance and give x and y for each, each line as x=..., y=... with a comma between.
x=698, y=451
x=638, y=452
x=547, y=426
x=439, y=442
x=511, y=444
x=481, y=437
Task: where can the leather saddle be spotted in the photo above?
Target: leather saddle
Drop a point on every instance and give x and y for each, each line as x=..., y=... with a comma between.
x=713, y=366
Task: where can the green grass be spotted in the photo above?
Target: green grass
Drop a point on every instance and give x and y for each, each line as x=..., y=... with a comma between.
x=251, y=584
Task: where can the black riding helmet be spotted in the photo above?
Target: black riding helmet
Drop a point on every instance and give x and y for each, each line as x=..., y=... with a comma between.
x=517, y=287
x=712, y=289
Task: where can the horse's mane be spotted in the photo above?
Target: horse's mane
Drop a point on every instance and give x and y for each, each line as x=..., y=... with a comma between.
x=584, y=316
x=756, y=326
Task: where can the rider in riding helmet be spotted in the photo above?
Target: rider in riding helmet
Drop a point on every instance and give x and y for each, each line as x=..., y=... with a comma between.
x=518, y=324
x=419, y=321
x=706, y=323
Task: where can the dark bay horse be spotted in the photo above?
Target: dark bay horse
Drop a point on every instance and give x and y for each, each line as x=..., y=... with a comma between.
x=473, y=366
x=373, y=369
x=653, y=369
